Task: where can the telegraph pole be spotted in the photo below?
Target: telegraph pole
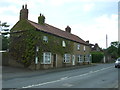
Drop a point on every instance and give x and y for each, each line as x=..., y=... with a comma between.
x=106, y=57
x=106, y=41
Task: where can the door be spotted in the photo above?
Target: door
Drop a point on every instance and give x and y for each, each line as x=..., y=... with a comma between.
x=73, y=59
x=54, y=60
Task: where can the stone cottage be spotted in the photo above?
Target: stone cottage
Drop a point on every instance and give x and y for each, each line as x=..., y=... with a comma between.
x=42, y=46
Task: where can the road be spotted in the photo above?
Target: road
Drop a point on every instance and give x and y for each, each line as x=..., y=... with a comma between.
x=99, y=76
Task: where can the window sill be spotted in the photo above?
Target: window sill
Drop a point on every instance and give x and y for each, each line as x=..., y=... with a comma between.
x=80, y=62
x=46, y=63
x=66, y=62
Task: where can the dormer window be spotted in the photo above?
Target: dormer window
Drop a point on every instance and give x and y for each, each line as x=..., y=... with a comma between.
x=78, y=47
x=63, y=44
x=45, y=38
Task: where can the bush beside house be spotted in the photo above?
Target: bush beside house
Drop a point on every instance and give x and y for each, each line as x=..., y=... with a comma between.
x=97, y=57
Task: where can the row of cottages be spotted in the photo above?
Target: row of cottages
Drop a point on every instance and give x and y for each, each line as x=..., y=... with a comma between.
x=42, y=46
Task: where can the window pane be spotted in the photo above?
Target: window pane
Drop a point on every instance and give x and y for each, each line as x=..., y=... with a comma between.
x=47, y=58
x=66, y=58
x=45, y=38
x=63, y=44
x=78, y=47
x=84, y=48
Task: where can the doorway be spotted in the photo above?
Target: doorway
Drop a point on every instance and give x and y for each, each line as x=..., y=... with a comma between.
x=54, y=60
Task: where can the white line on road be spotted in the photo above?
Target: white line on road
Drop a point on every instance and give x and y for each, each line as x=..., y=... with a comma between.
x=91, y=72
x=64, y=78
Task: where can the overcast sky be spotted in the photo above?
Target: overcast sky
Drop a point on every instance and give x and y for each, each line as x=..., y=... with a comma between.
x=89, y=19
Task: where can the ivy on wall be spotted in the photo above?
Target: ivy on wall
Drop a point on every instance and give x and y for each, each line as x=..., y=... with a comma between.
x=23, y=45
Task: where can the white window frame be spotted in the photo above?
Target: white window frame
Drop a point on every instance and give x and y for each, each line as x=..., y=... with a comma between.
x=86, y=58
x=79, y=58
x=46, y=58
x=45, y=38
x=63, y=44
x=66, y=58
x=78, y=47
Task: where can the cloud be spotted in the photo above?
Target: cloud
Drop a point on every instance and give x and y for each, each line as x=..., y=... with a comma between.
x=61, y=2
x=88, y=7
x=96, y=31
x=56, y=11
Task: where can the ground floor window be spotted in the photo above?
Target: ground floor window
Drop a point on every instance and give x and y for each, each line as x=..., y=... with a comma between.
x=67, y=58
x=46, y=58
x=79, y=58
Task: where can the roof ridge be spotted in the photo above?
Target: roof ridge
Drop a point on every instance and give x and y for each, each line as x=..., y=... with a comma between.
x=56, y=31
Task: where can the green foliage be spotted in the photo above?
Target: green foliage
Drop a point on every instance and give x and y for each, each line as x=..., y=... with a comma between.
x=41, y=19
x=115, y=43
x=97, y=57
x=113, y=50
x=23, y=45
x=5, y=38
x=5, y=41
x=119, y=50
x=22, y=25
x=4, y=24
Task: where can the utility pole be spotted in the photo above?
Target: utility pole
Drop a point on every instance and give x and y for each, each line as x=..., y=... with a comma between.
x=106, y=57
x=106, y=41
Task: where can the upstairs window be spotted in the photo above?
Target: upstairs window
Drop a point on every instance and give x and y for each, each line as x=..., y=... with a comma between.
x=84, y=48
x=63, y=44
x=67, y=58
x=78, y=47
x=45, y=38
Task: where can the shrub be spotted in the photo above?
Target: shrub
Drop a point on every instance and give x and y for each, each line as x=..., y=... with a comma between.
x=97, y=57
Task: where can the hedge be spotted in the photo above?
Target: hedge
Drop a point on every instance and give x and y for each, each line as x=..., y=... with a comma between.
x=97, y=57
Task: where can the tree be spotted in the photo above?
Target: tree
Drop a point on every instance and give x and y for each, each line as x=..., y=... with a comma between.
x=4, y=24
x=113, y=50
x=115, y=44
x=119, y=50
x=4, y=32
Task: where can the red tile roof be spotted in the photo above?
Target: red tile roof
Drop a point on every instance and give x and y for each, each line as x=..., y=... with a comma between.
x=53, y=30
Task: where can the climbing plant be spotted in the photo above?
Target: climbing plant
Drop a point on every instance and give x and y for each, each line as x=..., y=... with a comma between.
x=23, y=45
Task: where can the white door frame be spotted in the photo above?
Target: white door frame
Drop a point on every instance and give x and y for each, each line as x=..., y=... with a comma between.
x=73, y=59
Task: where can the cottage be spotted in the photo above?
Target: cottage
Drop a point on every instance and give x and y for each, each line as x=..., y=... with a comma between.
x=42, y=46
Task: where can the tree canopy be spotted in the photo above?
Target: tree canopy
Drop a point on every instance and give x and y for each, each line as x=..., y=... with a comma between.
x=5, y=40
x=114, y=49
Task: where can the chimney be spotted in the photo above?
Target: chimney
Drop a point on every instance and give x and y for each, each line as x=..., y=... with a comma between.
x=41, y=19
x=87, y=41
x=68, y=29
x=24, y=13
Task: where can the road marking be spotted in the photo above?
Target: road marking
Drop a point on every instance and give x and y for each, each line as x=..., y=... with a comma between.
x=41, y=84
x=64, y=78
x=91, y=72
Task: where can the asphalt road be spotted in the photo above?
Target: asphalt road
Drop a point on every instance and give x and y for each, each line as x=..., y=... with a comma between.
x=99, y=76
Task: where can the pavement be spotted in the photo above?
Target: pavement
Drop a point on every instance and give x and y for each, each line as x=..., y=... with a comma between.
x=9, y=72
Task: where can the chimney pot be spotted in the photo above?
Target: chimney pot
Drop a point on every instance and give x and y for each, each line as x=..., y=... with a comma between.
x=68, y=29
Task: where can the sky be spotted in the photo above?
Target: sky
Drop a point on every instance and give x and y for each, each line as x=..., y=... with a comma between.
x=89, y=19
